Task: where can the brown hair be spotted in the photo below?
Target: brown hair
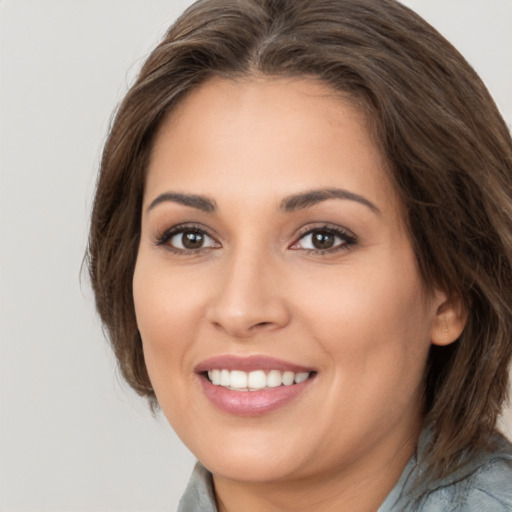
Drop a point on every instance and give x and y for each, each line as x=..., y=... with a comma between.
x=450, y=158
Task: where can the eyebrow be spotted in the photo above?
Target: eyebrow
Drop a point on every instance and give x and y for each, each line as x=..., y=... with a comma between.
x=312, y=197
x=289, y=204
x=194, y=201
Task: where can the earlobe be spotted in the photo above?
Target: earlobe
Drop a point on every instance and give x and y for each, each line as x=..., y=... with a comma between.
x=449, y=322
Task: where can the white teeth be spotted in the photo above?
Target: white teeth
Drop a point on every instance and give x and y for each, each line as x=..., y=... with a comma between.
x=253, y=381
x=238, y=379
x=225, y=379
x=257, y=380
x=214, y=376
x=301, y=377
x=288, y=378
x=274, y=378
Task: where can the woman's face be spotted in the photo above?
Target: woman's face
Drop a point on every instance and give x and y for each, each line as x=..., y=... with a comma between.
x=272, y=251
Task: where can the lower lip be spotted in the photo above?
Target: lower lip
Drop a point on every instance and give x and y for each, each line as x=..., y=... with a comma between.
x=251, y=403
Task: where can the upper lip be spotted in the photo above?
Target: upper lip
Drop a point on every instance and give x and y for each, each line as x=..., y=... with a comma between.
x=249, y=363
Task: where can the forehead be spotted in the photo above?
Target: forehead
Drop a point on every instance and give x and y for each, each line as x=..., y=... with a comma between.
x=227, y=134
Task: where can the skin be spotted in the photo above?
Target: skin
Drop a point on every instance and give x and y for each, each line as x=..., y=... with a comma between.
x=356, y=313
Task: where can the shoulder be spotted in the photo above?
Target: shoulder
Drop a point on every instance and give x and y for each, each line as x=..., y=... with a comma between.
x=482, y=484
x=493, y=486
x=488, y=489
x=486, y=486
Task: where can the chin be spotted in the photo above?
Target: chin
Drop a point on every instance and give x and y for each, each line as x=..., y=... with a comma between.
x=256, y=469
x=249, y=455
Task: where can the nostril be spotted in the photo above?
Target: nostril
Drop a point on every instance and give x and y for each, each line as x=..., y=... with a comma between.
x=261, y=324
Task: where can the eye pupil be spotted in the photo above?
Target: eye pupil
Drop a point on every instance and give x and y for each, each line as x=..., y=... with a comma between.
x=192, y=239
x=323, y=240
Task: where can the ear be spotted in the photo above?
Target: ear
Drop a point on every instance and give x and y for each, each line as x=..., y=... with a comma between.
x=450, y=319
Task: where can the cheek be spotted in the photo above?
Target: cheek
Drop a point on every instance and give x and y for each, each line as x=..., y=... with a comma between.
x=372, y=319
x=374, y=329
x=165, y=310
x=165, y=301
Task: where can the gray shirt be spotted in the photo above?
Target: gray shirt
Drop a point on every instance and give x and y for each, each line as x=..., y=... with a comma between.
x=483, y=483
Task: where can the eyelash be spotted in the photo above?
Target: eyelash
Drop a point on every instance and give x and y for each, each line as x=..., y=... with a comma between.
x=166, y=236
x=347, y=239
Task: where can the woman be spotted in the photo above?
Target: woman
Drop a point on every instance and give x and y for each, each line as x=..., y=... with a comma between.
x=301, y=250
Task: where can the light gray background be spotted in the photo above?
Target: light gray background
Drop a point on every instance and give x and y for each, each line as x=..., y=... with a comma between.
x=72, y=436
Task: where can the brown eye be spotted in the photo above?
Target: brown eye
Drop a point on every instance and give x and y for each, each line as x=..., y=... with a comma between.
x=190, y=240
x=323, y=240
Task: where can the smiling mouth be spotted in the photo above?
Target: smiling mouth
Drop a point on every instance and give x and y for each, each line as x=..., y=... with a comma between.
x=256, y=380
x=252, y=386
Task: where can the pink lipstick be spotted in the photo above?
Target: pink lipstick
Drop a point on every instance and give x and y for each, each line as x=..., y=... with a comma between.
x=254, y=385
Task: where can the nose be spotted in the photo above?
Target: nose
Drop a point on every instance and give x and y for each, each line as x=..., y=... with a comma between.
x=249, y=299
